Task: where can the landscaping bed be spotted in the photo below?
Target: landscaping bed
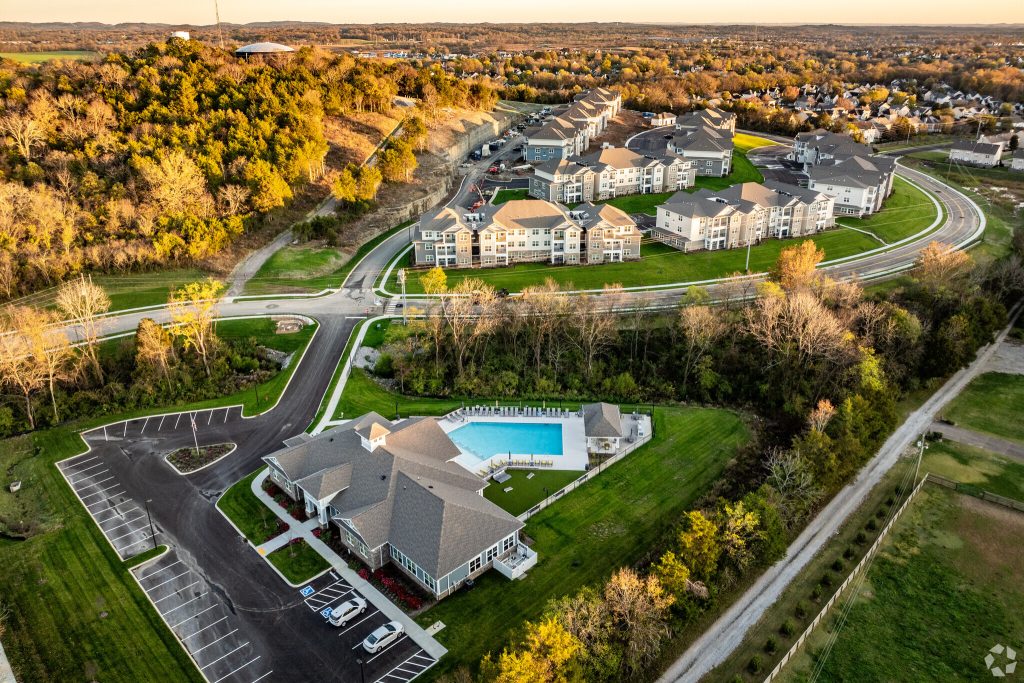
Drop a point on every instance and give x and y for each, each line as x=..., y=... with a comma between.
x=190, y=459
x=293, y=507
x=298, y=562
x=398, y=588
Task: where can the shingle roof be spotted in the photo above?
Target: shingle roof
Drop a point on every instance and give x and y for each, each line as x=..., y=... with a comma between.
x=977, y=147
x=602, y=420
x=702, y=139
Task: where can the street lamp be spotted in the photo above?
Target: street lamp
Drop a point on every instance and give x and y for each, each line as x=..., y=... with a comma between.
x=152, y=534
x=362, y=673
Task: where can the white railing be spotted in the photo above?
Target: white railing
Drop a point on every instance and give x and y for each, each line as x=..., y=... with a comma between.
x=517, y=563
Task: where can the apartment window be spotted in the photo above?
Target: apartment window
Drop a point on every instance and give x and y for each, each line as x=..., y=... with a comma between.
x=508, y=543
x=430, y=247
x=475, y=564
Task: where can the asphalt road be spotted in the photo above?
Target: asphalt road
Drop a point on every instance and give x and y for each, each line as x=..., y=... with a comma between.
x=726, y=634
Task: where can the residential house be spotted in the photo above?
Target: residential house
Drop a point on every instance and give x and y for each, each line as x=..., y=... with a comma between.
x=524, y=230
x=742, y=214
x=611, y=172
x=976, y=153
x=396, y=494
x=663, y=119
x=1017, y=160
x=709, y=117
x=710, y=149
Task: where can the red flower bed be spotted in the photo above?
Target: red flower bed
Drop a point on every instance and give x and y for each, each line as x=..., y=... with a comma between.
x=394, y=587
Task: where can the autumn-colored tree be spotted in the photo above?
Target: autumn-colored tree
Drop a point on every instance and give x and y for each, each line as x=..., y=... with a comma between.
x=176, y=184
x=83, y=303
x=637, y=607
x=702, y=326
x=941, y=266
x=154, y=347
x=193, y=309
x=24, y=132
x=820, y=416
x=796, y=266
x=546, y=656
x=18, y=369
x=434, y=281
x=739, y=528
x=699, y=545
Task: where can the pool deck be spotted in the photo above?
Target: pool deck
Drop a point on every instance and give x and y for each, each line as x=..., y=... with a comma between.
x=574, y=442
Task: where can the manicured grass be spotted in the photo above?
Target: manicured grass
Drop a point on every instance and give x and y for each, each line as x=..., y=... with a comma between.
x=362, y=395
x=142, y=558
x=640, y=203
x=525, y=492
x=659, y=265
x=374, y=337
x=945, y=587
x=250, y=515
x=907, y=212
x=978, y=470
x=129, y=290
x=298, y=561
x=991, y=403
x=610, y=522
x=74, y=611
x=508, y=195
x=745, y=142
x=742, y=172
x=306, y=269
x=37, y=57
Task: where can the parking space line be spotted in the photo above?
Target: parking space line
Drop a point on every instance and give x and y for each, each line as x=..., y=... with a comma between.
x=151, y=588
x=224, y=656
x=127, y=535
x=262, y=677
x=176, y=421
x=155, y=602
x=141, y=540
x=189, y=602
x=118, y=514
x=195, y=652
x=226, y=411
x=153, y=573
x=194, y=616
x=107, y=501
x=209, y=419
x=358, y=622
x=144, y=425
x=161, y=425
x=400, y=639
x=67, y=468
x=84, y=469
x=238, y=669
x=74, y=483
x=101, y=481
x=120, y=525
x=82, y=498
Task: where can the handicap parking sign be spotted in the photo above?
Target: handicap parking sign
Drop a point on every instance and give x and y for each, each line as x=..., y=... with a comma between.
x=326, y=612
x=307, y=591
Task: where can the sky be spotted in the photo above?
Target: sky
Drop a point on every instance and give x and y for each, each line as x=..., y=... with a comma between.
x=496, y=11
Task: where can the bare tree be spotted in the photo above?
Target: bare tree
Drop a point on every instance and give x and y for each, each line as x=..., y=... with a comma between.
x=24, y=131
x=701, y=327
x=154, y=346
x=193, y=311
x=83, y=303
x=543, y=307
x=49, y=347
x=793, y=481
x=18, y=369
x=458, y=308
x=591, y=328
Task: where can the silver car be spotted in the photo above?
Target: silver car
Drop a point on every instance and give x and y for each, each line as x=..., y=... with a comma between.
x=341, y=614
x=383, y=636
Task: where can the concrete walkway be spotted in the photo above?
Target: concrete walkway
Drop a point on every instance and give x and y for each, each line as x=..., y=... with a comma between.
x=6, y=673
x=365, y=588
x=969, y=437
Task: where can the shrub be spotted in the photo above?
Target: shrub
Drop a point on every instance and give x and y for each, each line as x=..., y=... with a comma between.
x=837, y=566
x=801, y=610
x=861, y=538
x=816, y=592
x=788, y=628
x=872, y=525
x=770, y=645
x=755, y=664
x=882, y=512
x=848, y=554
x=826, y=580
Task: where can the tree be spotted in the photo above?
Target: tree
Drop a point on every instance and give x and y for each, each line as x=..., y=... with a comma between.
x=821, y=415
x=592, y=329
x=941, y=266
x=343, y=188
x=638, y=611
x=18, y=368
x=24, y=131
x=699, y=545
x=193, y=310
x=176, y=184
x=368, y=182
x=154, y=348
x=82, y=302
x=701, y=327
x=547, y=656
x=434, y=281
x=458, y=308
x=739, y=528
x=793, y=482
x=796, y=266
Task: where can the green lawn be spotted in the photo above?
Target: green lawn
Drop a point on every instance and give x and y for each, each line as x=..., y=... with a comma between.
x=742, y=172
x=298, y=562
x=612, y=521
x=374, y=336
x=659, y=265
x=130, y=290
x=308, y=269
x=991, y=403
x=250, y=515
x=508, y=195
x=945, y=587
x=907, y=212
x=37, y=57
x=745, y=142
x=525, y=492
x=640, y=203
x=74, y=611
x=978, y=470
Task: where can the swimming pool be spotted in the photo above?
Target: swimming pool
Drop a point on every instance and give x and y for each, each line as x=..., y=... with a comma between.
x=487, y=439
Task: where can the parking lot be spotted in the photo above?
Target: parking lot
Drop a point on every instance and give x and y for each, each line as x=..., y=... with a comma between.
x=212, y=635
x=400, y=662
x=122, y=520
x=207, y=424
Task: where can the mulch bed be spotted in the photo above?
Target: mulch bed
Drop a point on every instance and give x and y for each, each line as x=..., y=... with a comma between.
x=187, y=460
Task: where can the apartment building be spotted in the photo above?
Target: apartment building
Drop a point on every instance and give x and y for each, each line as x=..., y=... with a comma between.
x=570, y=133
x=525, y=230
x=710, y=117
x=821, y=147
x=709, y=149
x=859, y=184
x=976, y=153
x=742, y=214
x=610, y=172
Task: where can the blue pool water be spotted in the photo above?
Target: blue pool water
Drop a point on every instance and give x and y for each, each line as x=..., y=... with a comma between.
x=487, y=439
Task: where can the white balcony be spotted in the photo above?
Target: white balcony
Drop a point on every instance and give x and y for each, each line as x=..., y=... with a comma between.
x=516, y=563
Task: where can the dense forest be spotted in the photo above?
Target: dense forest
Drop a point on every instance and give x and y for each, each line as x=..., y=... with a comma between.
x=167, y=154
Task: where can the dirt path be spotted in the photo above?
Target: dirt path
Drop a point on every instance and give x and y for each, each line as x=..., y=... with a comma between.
x=250, y=265
x=969, y=437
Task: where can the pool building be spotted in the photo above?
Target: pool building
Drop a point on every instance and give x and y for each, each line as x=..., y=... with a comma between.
x=410, y=492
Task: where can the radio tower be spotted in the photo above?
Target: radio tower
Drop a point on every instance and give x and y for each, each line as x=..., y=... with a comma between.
x=220, y=34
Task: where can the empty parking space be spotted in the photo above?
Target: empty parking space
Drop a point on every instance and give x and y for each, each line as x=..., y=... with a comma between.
x=212, y=636
x=121, y=519
x=409, y=668
x=165, y=425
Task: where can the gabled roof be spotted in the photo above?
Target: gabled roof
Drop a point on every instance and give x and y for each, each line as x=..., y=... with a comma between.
x=327, y=483
x=702, y=139
x=697, y=205
x=855, y=171
x=602, y=420
x=991, y=149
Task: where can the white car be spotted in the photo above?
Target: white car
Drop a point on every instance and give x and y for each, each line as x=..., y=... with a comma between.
x=341, y=614
x=383, y=636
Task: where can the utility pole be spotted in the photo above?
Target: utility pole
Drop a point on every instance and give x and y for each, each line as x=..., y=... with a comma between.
x=220, y=33
x=405, y=303
x=921, y=446
x=195, y=437
x=152, y=534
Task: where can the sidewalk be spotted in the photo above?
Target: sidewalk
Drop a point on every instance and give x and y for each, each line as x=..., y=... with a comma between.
x=375, y=597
